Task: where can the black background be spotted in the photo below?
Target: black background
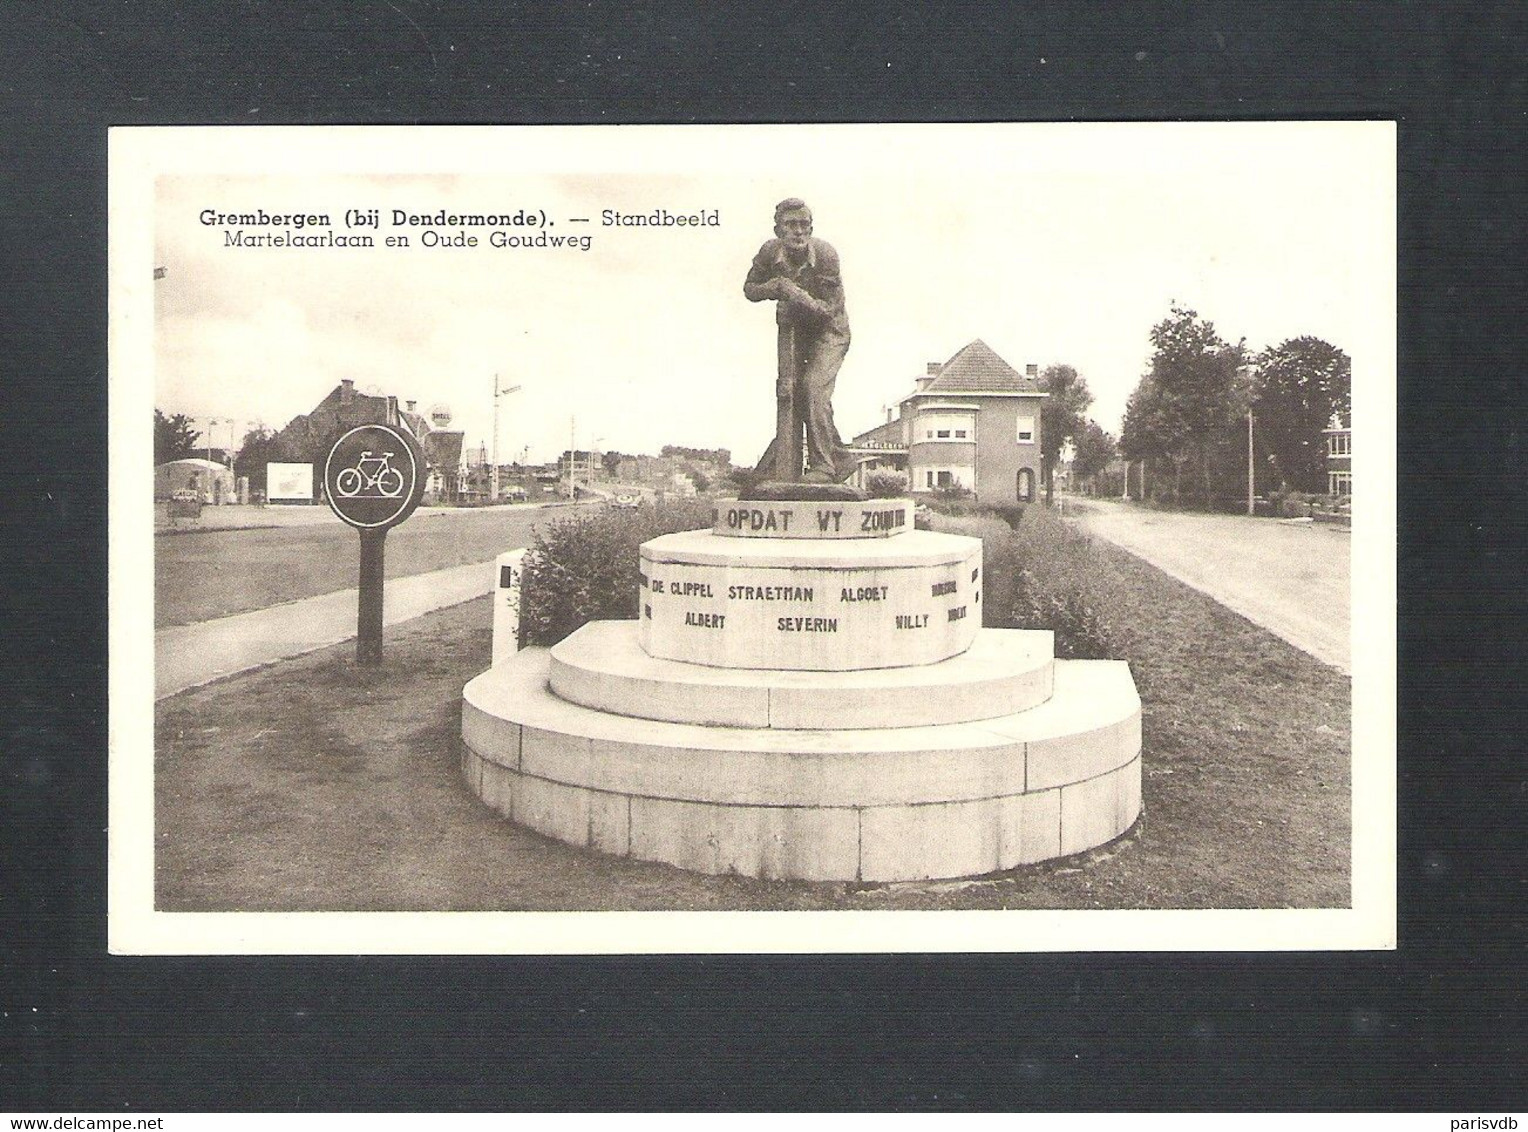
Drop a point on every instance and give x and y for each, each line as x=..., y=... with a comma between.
x=1434, y=1025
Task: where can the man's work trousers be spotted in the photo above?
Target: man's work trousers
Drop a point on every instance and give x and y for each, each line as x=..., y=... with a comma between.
x=812, y=360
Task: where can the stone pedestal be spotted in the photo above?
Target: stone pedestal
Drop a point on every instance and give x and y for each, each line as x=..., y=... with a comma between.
x=816, y=704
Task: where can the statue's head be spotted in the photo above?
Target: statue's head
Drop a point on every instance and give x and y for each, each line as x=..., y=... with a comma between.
x=793, y=222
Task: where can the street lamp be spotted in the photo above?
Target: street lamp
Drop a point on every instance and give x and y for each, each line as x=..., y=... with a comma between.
x=1245, y=373
x=493, y=475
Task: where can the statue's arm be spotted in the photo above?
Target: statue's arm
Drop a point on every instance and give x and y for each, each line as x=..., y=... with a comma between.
x=762, y=283
x=828, y=282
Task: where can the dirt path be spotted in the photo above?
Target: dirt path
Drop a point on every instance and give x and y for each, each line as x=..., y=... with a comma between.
x=1292, y=579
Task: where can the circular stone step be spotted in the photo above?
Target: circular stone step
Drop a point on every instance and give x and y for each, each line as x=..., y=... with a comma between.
x=878, y=804
x=602, y=666
x=810, y=606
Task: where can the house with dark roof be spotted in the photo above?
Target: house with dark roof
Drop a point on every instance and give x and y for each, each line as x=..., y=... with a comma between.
x=307, y=437
x=972, y=422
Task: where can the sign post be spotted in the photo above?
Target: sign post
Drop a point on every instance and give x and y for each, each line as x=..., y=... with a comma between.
x=373, y=479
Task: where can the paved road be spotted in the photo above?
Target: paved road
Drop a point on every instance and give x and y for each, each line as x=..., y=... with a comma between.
x=216, y=573
x=1292, y=579
x=253, y=517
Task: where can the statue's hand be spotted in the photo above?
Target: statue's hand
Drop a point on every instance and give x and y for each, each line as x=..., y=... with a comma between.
x=790, y=289
x=797, y=296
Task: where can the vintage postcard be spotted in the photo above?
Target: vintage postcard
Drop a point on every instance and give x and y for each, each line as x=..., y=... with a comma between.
x=762, y=539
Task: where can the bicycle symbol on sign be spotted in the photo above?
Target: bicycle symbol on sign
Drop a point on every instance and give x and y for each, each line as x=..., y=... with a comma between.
x=373, y=476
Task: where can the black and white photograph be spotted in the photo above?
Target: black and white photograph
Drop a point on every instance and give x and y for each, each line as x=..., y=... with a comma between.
x=772, y=538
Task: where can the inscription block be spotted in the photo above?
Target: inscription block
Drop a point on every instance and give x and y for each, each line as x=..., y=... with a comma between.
x=809, y=606
x=800, y=519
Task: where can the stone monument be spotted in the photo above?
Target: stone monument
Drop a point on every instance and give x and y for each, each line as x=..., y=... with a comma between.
x=807, y=692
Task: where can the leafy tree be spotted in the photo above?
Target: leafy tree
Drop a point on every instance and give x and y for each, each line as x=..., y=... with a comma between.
x=743, y=479
x=1184, y=411
x=174, y=438
x=718, y=456
x=1300, y=384
x=1149, y=431
x=1095, y=449
x=1061, y=417
x=258, y=450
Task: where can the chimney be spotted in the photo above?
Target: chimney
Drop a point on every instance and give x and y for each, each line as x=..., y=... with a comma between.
x=934, y=368
x=889, y=417
x=1031, y=370
x=347, y=390
x=411, y=405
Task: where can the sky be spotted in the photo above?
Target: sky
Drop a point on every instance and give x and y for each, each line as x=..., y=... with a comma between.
x=1059, y=244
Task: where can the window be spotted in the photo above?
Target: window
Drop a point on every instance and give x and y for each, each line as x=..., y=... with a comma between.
x=946, y=480
x=930, y=478
x=1026, y=430
x=1339, y=483
x=1339, y=444
x=947, y=424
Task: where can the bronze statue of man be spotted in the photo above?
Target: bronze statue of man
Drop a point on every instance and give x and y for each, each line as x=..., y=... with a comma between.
x=800, y=273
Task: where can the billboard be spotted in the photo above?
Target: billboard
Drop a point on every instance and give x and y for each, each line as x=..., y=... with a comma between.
x=290, y=482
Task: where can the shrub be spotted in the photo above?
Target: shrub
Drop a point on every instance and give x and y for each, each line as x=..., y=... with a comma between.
x=585, y=567
x=1080, y=628
x=886, y=485
x=950, y=503
x=1054, y=586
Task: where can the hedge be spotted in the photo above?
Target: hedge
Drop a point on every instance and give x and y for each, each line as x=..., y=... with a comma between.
x=585, y=567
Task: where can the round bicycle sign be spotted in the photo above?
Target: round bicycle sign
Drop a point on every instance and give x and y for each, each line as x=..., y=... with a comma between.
x=374, y=476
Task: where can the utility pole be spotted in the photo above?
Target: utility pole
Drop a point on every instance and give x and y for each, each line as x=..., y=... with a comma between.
x=1245, y=374
x=493, y=475
x=1251, y=472
x=572, y=458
